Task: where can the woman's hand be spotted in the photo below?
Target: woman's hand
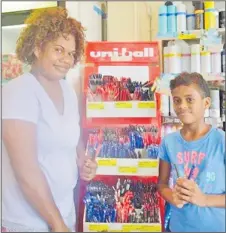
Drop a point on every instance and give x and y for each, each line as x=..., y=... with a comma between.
x=189, y=191
x=88, y=169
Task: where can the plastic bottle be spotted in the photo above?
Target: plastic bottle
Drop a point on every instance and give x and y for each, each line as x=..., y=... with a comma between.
x=205, y=61
x=186, y=59
x=222, y=18
x=171, y=19
x=210, y=15
x=190, y=17
x=199, y=15
x=181, y=18
x=195, y=58
x=162, y=23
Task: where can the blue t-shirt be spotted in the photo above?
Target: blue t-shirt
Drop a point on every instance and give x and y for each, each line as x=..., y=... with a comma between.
x=208, y=156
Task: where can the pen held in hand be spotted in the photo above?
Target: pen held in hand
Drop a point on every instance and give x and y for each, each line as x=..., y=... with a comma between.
x=176, y=169
x=191, y=172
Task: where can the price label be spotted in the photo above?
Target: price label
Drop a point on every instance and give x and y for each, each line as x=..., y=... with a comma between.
x=187, y=36
x=131, y=170
x=95, y=106
x=146, y=104
x=98, y=227
x=107, y=162
x=123, y=105
x=151, y=228
x=148, y=164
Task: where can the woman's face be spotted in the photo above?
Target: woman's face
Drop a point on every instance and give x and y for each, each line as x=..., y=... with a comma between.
x=56, y=57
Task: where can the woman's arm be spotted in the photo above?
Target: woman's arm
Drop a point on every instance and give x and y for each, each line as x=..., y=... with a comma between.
x=20, y=141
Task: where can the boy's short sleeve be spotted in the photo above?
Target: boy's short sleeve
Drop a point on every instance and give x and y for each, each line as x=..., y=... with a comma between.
x=163, y=152
x=19, y=102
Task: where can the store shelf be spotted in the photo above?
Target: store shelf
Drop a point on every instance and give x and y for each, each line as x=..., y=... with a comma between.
x=137, y=167
x=121, y=227
x=175, y=120
x=190, y=35
x=120, y=109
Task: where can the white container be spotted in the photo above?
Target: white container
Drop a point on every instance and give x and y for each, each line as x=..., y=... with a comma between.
x=175, y=59
x=215, y=103
x=165, y=105
x=181, y=18
x=190, y=17
x=195, y=58
x=205, y=62
x=166, y=59
x=186, y=59
x=216, y=62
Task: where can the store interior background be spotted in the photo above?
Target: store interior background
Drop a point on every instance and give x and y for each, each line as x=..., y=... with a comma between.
x=125, y=21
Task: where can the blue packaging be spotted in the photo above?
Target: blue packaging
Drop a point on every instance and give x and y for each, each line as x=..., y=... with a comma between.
x=171, y=19
x=162, y=23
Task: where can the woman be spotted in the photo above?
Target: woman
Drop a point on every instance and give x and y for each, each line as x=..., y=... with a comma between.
x=41, y=128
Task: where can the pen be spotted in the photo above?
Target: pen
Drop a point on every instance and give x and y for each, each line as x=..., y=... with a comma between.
x=175, y=166
x=191, y=172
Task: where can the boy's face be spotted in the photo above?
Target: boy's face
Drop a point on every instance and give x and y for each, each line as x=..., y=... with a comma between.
x=189, y=104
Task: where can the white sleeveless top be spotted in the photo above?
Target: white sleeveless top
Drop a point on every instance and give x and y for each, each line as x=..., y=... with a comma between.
x=24, y=98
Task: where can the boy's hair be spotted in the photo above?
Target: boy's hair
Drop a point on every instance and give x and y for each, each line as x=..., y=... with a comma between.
x=186, y=79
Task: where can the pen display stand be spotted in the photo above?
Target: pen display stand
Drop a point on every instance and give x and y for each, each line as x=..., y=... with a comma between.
x=122, y=129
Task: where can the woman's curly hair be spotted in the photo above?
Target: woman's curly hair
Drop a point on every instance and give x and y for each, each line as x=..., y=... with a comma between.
x=45, y=25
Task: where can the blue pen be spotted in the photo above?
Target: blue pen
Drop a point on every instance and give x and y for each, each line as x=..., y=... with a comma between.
x=191, y=172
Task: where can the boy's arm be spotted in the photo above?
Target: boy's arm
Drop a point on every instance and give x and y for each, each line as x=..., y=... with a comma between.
x=215, y=200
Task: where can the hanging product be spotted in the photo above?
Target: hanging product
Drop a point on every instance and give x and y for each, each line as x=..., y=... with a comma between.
x=223, y=68
x=205, y=62
x=190, y=17
x=165, y=105
x=166, y=59
x=171, y=19
x=222, y=18
x=210, y=15
x=175, y=59
x=162, y=23
x=181, y=18
x=172, y=112
x=126, y=201
x=195, y=58
x=216, y=62
x=215, y=103
x=199, y=15
x=186, y=59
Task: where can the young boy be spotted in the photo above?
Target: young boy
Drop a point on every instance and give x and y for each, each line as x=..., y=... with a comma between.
x=196, y=154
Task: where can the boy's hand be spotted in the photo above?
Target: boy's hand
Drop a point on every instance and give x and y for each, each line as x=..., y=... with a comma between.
x=176, y=200
x=189, y=191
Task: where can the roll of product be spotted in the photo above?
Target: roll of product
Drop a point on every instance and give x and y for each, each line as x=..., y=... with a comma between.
x=195, y=58
x=223, y=61
x=162, y=23
x=172, y=112
x=222, y=18
x=205, y=62
x=171, y=19
x=216, y=62
x=215, y=103
x=209, y=4
x=190, y=21
x=165, y=105
x=190, y=17
x=181, y=18
x=210, y=18
x=166, y=59
x=174, y=59
x=199, y=14
x=186, y=59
